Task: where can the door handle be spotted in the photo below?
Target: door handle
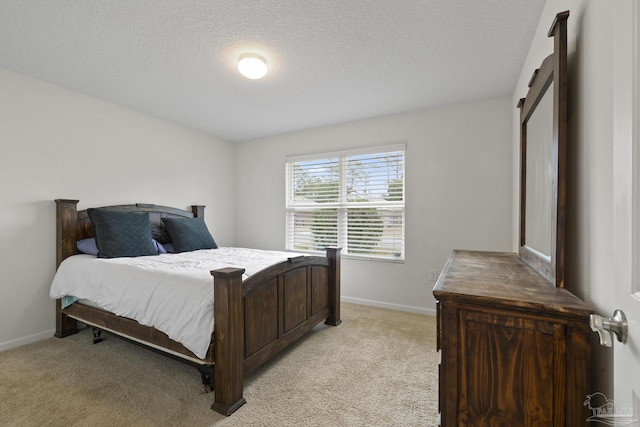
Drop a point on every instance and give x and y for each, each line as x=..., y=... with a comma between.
x=605, y=325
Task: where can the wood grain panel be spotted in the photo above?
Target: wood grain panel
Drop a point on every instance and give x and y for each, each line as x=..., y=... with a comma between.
x=295, y=298
x=507, y=378
x=502, y=278
x=319, y=289
x=515, y=350
x=261, y=317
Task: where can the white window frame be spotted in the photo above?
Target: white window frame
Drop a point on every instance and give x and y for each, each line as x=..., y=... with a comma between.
x=390, y=243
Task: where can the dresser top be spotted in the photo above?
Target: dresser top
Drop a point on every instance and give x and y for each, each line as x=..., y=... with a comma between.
x=503, y=279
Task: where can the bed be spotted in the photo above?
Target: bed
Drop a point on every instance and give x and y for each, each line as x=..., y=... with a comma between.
x=254, y=319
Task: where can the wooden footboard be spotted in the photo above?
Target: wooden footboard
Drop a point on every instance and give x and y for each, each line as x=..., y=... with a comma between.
x=258, y=318
x=254, y=319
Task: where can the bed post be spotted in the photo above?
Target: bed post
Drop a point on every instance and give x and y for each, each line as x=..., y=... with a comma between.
x=198, y=211
x=333, y=254
x=66, y=217
x=228, y=340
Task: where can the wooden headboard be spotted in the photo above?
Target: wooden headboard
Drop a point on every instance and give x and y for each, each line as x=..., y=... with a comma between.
x=73, y=225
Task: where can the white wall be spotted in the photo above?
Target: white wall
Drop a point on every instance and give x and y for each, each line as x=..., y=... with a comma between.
x=589, y=219
x=458, y=193
x=55, y=143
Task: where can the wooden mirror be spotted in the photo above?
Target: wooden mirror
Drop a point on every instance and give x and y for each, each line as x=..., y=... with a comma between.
x=543, y=140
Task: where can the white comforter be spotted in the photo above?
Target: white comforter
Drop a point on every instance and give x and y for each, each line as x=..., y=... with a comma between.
x=172, y=292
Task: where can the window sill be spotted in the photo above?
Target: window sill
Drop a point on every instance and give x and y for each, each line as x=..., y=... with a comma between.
x=354, y=257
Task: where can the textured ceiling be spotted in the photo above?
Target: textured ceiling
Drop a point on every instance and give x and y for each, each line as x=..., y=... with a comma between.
x=330, y=61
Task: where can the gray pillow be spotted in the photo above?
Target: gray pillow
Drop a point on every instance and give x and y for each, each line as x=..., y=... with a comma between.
x=189, y=234
x=122, y=234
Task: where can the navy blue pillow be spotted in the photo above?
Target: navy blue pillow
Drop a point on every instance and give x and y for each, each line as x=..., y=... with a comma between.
x=189, y=234
x=122, y=234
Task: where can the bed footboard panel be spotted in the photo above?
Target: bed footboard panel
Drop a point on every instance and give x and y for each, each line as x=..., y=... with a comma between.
x=280, y=309
x=277, y=307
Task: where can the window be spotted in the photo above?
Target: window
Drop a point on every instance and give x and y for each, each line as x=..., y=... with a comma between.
x=352, y=199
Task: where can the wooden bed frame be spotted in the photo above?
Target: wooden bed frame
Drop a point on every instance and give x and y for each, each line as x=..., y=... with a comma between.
x=254, y=319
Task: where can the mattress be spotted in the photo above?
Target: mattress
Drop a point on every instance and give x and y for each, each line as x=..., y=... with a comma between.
x=170, y=292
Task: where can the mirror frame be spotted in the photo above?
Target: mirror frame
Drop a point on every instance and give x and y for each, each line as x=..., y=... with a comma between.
x=552, y=70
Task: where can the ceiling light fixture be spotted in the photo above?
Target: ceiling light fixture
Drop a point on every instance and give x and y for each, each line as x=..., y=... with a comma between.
x=252, y=66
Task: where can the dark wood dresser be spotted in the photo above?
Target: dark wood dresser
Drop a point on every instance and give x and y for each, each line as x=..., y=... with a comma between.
x=514, y=349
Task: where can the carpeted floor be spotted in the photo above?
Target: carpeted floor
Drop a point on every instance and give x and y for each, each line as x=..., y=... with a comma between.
x=378, y=368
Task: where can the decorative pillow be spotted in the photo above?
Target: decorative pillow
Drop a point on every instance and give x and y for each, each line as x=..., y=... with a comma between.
x=87, y=246
x=122, y=234
x=160, y=246
x=160, y=234
x=189, y=234
x=168, y=247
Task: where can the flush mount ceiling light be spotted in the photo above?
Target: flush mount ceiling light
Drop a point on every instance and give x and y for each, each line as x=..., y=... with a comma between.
x=252, y=66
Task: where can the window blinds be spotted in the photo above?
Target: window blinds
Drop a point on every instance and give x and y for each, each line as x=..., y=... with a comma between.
x=352, y=199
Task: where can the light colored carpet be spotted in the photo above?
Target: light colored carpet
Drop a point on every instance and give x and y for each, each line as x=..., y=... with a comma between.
x=378, y=368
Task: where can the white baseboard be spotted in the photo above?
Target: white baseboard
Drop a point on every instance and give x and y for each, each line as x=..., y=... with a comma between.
x=18, y=342
x=408, y=308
